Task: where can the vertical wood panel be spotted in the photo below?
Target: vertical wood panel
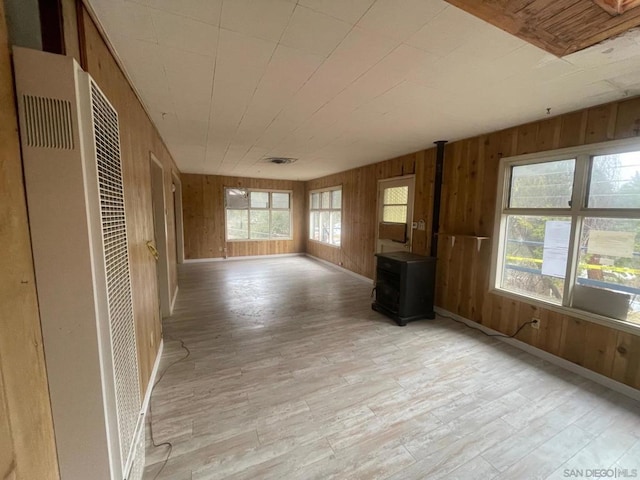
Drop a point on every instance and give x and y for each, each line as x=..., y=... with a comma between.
x=27, y=443
x=204, y=213
x=468, y=206
x=626, y=360
x=601, y=122
x=628, y=119
x=359, y=209
x=573, y=129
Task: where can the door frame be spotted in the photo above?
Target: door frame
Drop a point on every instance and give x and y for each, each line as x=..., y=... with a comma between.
x=410, y=208
x=159, y=211
x=178, y=219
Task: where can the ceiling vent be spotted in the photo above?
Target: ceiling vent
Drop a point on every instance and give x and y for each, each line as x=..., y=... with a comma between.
x=279, y=160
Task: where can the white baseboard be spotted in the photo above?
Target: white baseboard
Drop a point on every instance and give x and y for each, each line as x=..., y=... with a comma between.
x=246, y=257
x=342, y=269
x=561, y=362
x=173, y=301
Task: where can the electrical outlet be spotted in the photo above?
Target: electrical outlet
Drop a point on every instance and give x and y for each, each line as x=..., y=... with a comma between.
x=535, y=323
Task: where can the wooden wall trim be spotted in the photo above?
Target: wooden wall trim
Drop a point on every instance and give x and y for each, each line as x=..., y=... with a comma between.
x=27, y=443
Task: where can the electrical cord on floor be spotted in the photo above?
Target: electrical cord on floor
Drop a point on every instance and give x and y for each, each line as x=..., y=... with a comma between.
x=153, y=442
x=489, y=334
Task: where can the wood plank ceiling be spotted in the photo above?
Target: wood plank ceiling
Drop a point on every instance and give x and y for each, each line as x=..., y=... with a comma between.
x=560, y=27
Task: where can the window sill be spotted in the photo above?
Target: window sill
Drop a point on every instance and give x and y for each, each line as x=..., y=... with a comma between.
x=621, y=325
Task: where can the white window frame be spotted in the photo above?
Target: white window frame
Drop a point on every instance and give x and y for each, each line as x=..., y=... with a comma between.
x=270, y=210
x=330, y=210
x=576, y=213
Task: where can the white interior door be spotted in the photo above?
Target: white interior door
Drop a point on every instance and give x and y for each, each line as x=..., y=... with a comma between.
x=395, y=214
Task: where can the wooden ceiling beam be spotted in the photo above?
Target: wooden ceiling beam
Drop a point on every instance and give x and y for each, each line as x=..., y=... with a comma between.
x=560, y=27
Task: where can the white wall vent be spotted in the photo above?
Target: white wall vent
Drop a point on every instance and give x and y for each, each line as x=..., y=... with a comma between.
x=47, y=122
x=73, y=176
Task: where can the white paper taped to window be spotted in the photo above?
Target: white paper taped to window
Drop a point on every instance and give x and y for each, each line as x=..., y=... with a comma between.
x=613, y=244
x=556, y=248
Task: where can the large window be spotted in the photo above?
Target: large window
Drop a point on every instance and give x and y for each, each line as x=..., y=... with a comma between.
x=568, y=231
x=325, y=216
x=257, y=214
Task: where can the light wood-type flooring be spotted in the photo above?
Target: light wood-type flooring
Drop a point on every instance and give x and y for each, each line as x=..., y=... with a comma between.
x=292, y=376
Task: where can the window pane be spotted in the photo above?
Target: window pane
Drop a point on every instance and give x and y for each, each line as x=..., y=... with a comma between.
x=336, y=199
x=394, y=214
x=259, y=224
x=315, y=201
x=615, y=181
x=326, y=200
x=535, y=256
x=237, y=198
x=280, y=224
x=396, y=196
x=542, y=185
x=609, y=259
x=314, y=226
x=336, y=228
x=325, y=227
x=279, y=200
x=259, y=199
x=237, y=224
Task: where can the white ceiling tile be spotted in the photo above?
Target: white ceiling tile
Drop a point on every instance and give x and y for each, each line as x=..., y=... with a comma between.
x=207, y=11
x=447, y=31
x=184, y=33
x=223, y=98
x=240, y=65
x=189, y=88
x=265, y=19
x=187, y=63
x=287, y=72
x=488, y=44
x=400, y=19
x=240, y=56
x=399, y=97
x=359, y=51
x=128, y=19
x=194, y=130
x=314, y=32
x=236, y=151
x=134, y=52
x=347, y=10
x=151, y=80
x=389, y=72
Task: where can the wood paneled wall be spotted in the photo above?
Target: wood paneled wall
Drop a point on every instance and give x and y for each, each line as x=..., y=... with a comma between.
x=138, y=138
x=468, y=207
x=27, y=444
x=359, y=209
x=204, y=217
